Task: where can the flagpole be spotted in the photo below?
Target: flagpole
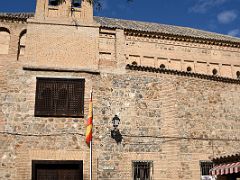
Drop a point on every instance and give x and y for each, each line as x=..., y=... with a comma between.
x=91, y=142
x=91, y=160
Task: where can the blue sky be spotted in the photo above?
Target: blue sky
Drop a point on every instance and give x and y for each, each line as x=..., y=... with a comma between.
x=222, y=16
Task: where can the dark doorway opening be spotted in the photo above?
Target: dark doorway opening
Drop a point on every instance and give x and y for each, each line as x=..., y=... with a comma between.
x=57, y=170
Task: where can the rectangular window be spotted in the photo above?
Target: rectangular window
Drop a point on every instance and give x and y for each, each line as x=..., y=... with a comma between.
x=57, y=97
x=142, y=170
x=53, y=2
x=205, y=168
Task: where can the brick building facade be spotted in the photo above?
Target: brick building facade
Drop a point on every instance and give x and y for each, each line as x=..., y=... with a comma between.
x=175, y=90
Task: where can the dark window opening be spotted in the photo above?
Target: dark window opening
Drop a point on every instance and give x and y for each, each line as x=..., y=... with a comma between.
x=57, y=97
x=162, y=66
x=53, y=2
x=76, y=3
x=214, y=72
x=238, y=74
x=205, y=167
x=134, y=63
x=189, y=69
x=58, y=170
x=142, y=170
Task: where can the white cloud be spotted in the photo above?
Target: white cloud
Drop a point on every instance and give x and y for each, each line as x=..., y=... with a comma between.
x=202, y=6
x=234, y=32
x=226, y=17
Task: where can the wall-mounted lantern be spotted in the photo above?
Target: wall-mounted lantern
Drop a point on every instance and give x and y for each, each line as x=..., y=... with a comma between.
x=115, y=133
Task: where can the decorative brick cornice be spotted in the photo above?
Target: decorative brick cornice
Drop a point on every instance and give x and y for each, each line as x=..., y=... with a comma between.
x=190, y=39
x=182, y=73
x=16, y=16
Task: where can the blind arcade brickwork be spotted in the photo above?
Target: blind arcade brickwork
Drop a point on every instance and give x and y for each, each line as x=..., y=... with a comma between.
x=175, y=90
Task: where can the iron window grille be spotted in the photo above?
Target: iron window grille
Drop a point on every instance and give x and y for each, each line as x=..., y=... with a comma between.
x=57, y=97
x=205, y=167
x=142, y=170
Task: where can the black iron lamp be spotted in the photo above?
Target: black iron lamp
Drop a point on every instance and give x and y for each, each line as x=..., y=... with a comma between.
x=115, y=121
x=115, y=133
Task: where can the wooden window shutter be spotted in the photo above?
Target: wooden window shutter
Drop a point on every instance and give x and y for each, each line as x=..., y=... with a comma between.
x=57, y=97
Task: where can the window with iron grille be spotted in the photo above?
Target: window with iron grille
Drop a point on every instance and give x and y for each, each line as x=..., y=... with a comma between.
x=56, y=97
x=205, y=167
x=142, y=170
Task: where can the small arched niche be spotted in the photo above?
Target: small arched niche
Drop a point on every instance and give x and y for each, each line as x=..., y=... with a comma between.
x=134, y=63
x=4, y=40
x=22, y=43
x=162, y=66
x=189, y=69
x=215, y=72
x=238, y=74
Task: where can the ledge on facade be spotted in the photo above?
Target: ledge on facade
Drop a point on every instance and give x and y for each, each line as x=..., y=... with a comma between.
x=56, y=69
x=182, y=73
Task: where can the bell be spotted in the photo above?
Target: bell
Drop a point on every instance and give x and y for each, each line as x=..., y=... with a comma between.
x=76, y=3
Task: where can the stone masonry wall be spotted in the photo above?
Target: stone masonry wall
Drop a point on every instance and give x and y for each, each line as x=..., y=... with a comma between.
x=24, y=137
x=171, y=120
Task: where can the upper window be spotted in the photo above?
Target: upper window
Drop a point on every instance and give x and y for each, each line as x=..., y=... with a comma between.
x=57, y=97
x=54, y=2
x=142, y=170
x=76, y=3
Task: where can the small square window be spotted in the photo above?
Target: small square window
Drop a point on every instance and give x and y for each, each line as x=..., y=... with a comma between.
x=57, y=97
x=205, y=167
x=142, y=170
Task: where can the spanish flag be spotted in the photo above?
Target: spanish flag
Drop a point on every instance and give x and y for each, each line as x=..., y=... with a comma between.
x=89, y=122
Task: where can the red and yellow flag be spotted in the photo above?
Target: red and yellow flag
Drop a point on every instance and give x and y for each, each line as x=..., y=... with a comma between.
x=89, y=122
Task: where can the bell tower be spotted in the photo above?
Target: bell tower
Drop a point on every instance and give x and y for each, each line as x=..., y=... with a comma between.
x=63, y=34
x=80, y=11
